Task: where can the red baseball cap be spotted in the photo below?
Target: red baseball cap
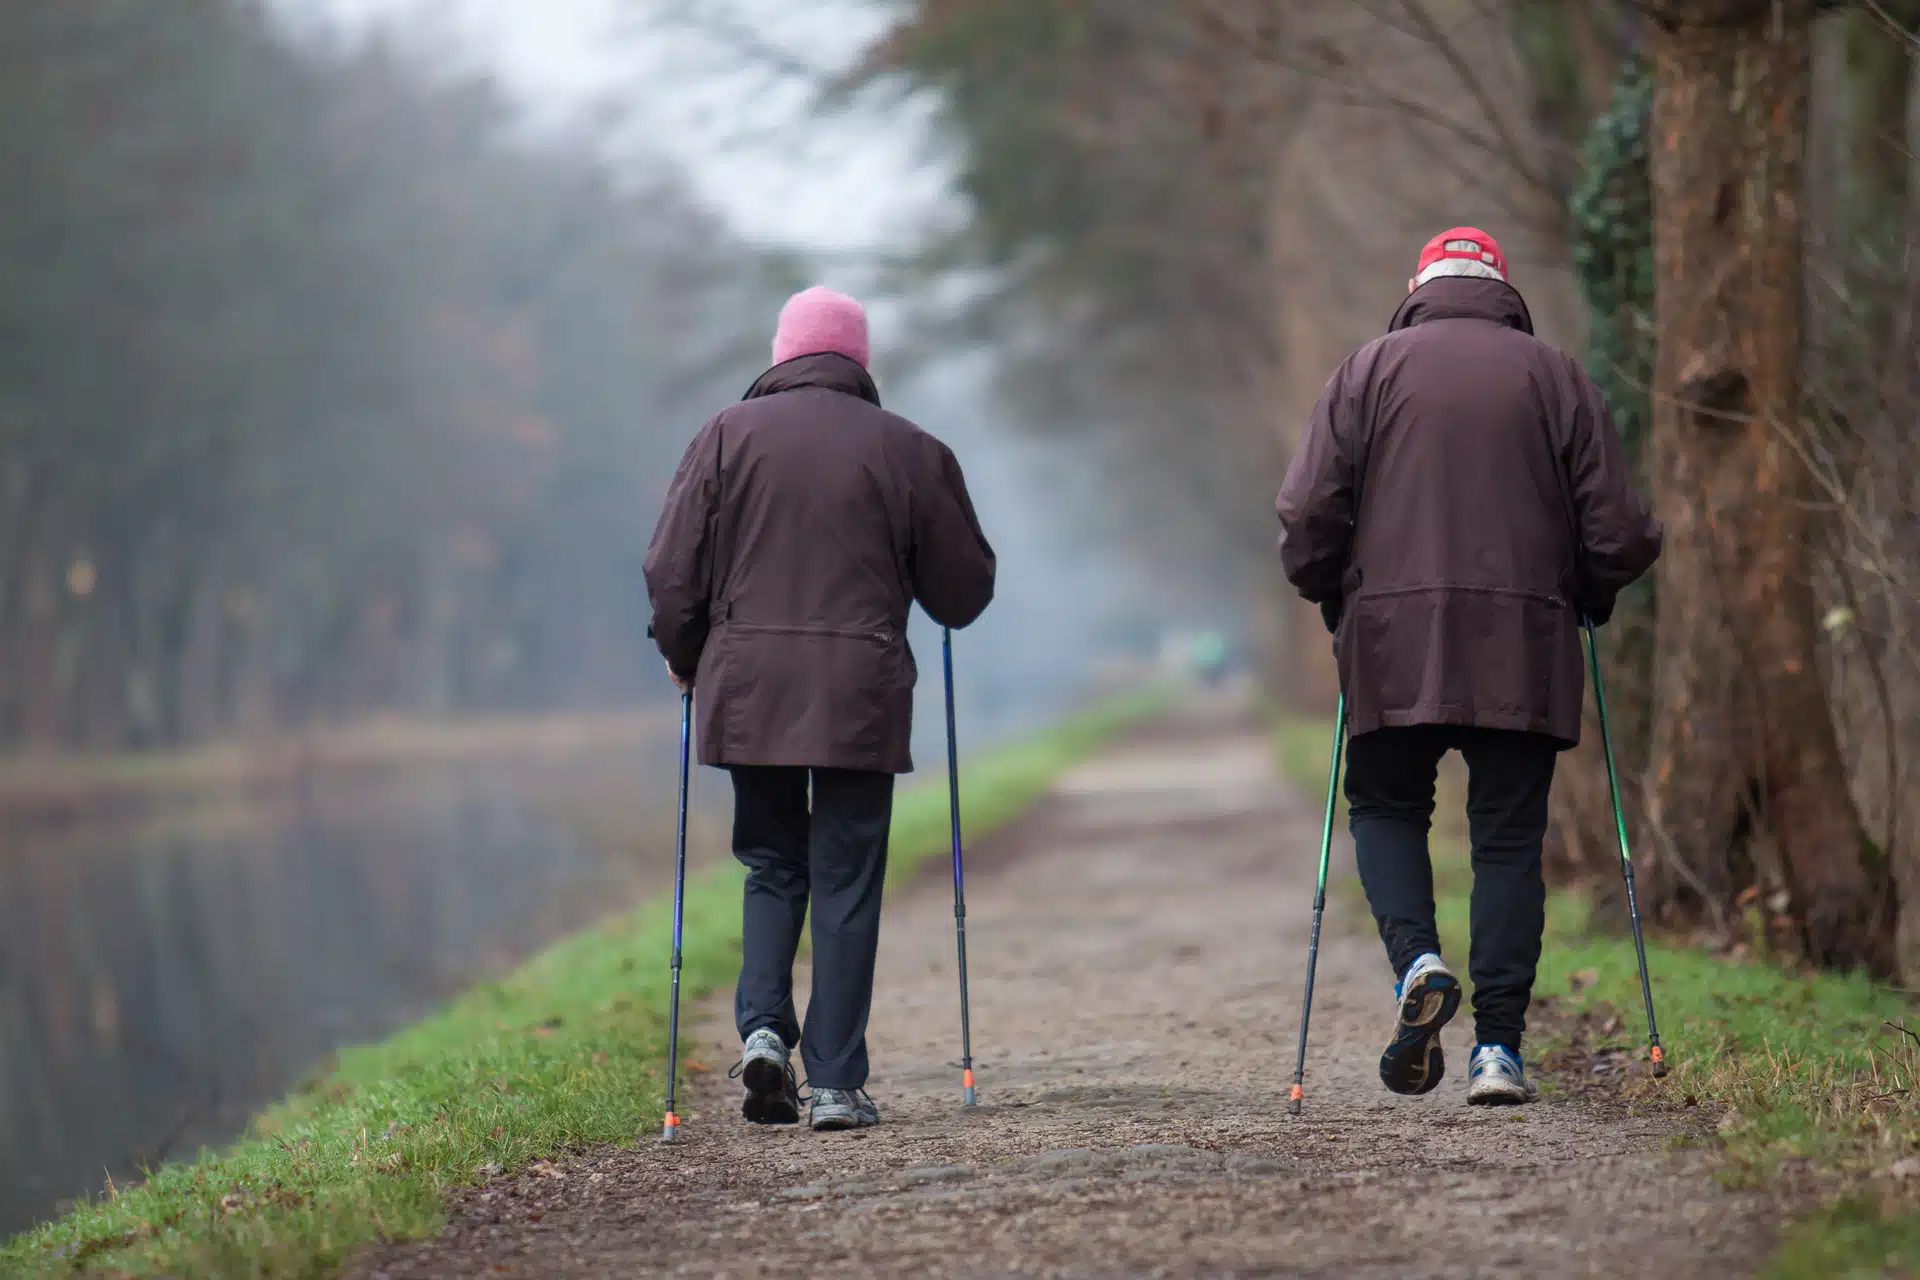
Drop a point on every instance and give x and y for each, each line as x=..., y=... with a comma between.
x=1461, y=251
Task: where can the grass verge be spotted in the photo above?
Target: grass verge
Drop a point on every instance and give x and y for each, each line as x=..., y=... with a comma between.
x=565, y=1053
x=1814, y=1079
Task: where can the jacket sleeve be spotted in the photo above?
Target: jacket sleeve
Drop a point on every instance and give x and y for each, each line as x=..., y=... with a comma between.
x=1316, y=500
x=1619, y=536
x=951, y=563
x=679, y=566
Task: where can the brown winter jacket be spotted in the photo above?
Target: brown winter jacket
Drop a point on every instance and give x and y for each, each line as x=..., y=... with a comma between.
x=800, y=528
x=1463, y=497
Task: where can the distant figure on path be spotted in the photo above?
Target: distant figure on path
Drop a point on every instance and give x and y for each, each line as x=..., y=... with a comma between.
x=802, y=525
x=1460, y=502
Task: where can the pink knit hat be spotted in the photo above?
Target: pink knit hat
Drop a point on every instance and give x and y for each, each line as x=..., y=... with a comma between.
x=818, y=319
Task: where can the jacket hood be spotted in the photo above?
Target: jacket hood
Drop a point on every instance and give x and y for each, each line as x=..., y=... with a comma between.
x=828, y=369
x=1463, y=298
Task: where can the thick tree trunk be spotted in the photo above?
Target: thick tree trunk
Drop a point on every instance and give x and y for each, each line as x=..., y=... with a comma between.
x=1746, y=777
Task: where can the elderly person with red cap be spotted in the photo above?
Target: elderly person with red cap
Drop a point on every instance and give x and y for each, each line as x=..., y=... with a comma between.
x=1460, y=502
x=801, y=527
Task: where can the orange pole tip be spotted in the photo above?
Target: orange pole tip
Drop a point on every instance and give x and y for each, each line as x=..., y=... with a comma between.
x=966, y=1077
x=1295, y=1094
x=673, y=1121
x=1658, y=1054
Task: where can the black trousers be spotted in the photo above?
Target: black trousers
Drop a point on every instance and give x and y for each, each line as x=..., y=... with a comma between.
x=1390, y=785
x=833, y=851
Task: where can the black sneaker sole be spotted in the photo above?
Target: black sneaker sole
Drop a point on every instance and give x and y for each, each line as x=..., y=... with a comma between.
x=1414, y=1062
x=771, y=1098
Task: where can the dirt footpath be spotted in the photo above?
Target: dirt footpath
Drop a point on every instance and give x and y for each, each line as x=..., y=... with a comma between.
x=1136, y=952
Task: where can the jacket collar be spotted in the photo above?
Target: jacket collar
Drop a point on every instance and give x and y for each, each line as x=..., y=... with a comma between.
x=828, y=369
x=1464, y=298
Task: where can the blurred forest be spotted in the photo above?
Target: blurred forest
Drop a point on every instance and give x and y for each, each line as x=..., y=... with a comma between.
x=1192, y=212
x=322, y=390
x=326, y=390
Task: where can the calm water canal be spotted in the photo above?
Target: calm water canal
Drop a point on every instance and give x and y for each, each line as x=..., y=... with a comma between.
x=160, y=980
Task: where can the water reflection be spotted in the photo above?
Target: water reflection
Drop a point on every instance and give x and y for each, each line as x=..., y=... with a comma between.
x=160, y=982
x=163, y=978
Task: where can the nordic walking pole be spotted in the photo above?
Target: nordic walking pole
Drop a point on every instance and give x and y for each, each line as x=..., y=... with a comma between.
x=959, y=889
x=670, y=1129
x=1319, y=904
x=1654, y=1051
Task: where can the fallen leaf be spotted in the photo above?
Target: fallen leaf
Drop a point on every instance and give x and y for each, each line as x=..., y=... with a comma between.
x=697, y=1067
x=600, y=1056
x=1583, y=979
x=497, y=1131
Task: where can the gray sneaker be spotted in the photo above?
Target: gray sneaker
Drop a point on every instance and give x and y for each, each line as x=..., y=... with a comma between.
x=1496, y=1077
x=842, y=1109
x=765, y=1070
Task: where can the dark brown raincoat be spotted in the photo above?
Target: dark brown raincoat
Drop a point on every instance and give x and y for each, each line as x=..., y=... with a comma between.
x=802, y=525
x=1463, y=495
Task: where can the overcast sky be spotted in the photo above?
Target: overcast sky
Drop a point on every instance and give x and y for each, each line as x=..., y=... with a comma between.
x=724, y=92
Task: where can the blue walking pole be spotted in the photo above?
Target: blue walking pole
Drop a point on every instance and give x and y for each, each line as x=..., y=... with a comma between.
x=670, y=1128
x=959, y=888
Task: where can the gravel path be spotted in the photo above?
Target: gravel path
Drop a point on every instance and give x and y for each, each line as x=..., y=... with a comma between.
x=1136, y=952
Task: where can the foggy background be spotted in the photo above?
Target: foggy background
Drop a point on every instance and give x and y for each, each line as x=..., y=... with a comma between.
x=346, y=349
x=347, y=346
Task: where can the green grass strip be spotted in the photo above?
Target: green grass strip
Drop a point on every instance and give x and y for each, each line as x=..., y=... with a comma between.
x=1804, y=1062
x=565, y=1053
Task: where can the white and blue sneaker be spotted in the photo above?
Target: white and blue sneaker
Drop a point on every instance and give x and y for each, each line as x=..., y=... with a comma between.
x=1497, y=1078
x=1428, y=996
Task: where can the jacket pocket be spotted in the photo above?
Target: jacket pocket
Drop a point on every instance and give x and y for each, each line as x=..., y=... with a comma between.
x=1464, y=588
x=838, y=688
x=878, y=635
x=1456, y=653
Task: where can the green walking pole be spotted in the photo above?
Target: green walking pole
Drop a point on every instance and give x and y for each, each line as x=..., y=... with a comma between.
x=1319, y=905
x=1654, y=1052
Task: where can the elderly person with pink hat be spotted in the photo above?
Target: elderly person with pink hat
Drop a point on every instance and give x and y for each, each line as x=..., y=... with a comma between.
x=801, y=527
